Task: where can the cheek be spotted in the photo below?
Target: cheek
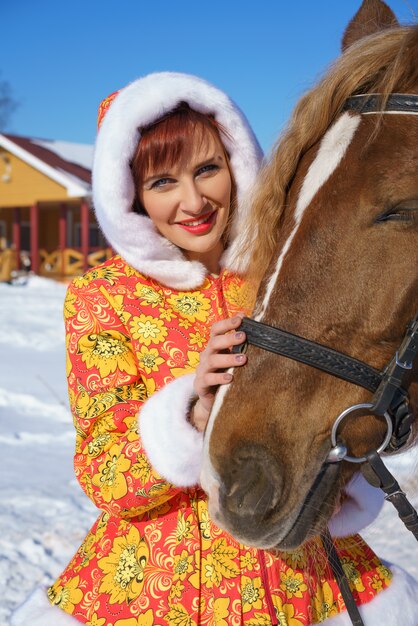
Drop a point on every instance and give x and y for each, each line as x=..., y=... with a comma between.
x=156, y=208
x=224, y=193
x=219, y=189
x=227, y=184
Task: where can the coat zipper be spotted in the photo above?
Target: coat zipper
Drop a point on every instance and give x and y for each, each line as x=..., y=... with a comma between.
x=266, y=585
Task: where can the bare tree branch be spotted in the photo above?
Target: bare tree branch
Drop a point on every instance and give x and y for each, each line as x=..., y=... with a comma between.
x=8, y=104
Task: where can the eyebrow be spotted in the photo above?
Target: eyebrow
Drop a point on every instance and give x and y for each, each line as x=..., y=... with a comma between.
x=217, y=156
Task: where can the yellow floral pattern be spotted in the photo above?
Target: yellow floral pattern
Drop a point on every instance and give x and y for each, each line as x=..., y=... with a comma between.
x=325, y=604
x=149, y=359
x=111, y=474
x=147, y=619
x=148, y=295
x=124, y=568
x=154, y=557
x=66, y=596
x=148, y=329
x=286, y=613
x=221, y=611
x=108, y=351
x=96, y=621
x=192, y=306
x=292, y=584
x=252, y=594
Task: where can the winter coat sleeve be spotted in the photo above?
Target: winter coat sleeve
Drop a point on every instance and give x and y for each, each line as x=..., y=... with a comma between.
x=107, y=391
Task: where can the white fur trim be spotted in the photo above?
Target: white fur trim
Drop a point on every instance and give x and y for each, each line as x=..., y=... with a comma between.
x=360, y=509
x=37, y=611
x=172, y=444
x=145, y=100
x=395, y=606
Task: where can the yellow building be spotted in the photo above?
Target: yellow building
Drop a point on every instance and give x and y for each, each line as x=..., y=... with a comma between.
x=45, y=207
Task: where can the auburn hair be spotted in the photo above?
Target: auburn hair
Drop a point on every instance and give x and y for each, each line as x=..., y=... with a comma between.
x=171, y=142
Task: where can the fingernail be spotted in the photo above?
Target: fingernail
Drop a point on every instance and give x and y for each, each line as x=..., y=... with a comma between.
x=239, y=335
x=240, y=358
x=228, y=377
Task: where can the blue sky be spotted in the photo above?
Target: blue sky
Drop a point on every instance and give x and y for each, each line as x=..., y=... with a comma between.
x=62, y=57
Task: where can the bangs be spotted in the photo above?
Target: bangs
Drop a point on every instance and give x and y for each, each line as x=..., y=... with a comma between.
x=173, y=140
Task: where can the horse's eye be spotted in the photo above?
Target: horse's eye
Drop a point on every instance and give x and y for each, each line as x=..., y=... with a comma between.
x=403, y=212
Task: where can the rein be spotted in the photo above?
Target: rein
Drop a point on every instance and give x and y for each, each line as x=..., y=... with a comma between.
x=390, y=398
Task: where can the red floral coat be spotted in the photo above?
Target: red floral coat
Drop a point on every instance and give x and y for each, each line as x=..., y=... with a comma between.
x=154, y=557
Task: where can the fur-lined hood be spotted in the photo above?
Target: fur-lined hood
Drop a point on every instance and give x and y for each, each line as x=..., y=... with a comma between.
x=132, y=235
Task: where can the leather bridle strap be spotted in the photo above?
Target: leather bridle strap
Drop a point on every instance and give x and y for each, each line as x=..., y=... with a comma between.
x=310, y=353
x=341, y=578
x=372, y=103
x=378, y=475
x=385, y=385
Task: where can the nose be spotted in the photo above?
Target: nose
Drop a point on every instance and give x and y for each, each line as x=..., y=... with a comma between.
x=254, y=485
x=192, y=200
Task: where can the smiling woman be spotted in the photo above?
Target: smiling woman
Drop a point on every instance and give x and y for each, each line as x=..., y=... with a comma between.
x=174, y=159
x=183, y=182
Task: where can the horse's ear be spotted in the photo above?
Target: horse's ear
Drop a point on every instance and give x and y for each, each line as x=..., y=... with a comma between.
x=372, y=16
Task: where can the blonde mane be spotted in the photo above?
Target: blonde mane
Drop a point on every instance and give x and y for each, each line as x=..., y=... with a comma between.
x=383, y=63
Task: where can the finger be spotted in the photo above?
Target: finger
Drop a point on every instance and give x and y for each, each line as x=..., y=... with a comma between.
x=224, y=361
x=224, y=326
x=214, y=379
x=223, y=342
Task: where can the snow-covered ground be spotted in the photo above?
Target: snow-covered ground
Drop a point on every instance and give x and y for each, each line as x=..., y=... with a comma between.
x=44, y=515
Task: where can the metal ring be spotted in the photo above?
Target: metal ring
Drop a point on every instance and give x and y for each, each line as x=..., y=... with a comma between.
x=343, y=415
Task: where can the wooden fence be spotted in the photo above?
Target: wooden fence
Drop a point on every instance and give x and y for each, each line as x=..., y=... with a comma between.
x=59, y=264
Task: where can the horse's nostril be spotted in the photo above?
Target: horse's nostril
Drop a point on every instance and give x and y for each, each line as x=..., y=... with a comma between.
x=255, y=486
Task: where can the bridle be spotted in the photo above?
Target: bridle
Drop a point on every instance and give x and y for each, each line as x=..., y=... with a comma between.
x=390, y=395
x=390, y=399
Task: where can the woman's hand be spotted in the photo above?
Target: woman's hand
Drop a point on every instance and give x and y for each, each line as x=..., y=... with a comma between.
x=216, y=358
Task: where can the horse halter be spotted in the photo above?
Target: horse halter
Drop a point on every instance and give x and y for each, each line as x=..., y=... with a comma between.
x=390, y=398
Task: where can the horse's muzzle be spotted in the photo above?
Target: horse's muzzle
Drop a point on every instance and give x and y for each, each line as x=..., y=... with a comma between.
x=252, y=486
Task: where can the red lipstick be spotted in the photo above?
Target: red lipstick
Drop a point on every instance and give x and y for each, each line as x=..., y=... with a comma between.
x=199, y=226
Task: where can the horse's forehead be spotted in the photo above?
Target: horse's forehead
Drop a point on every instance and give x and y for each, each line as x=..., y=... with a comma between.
x=349, y=137
x=346, y=138
x=330, y=153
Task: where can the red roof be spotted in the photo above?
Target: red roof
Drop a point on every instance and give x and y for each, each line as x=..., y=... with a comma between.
x=51, y=154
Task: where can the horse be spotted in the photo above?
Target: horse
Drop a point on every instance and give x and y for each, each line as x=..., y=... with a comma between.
x=332, y=242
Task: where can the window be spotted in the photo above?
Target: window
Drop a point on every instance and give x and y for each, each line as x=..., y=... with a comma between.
x=25, y=236
x=96, y=239
x=3, y=235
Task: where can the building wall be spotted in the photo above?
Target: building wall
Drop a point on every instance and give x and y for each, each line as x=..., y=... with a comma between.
x=26, y=185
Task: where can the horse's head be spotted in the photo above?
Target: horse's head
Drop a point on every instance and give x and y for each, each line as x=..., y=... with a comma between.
x=338, y=205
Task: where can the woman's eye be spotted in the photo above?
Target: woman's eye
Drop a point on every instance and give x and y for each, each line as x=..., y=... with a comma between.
x=161, y=182
x=211, y=167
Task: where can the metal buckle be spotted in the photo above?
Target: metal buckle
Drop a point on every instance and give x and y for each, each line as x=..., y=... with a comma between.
x=339, y=452
x=402, y=364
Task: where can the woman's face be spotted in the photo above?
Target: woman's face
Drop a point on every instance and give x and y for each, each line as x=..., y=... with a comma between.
x=190, y=204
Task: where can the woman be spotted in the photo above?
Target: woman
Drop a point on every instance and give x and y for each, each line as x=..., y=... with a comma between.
x=174, y=158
